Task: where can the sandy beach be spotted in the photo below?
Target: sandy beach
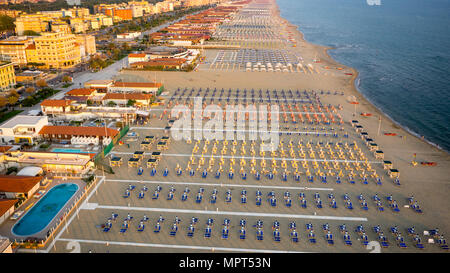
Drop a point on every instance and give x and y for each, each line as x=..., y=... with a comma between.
x=430, y=185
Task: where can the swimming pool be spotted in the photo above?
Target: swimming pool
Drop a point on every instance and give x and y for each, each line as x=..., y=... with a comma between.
x=43, y=212
x=65, y=150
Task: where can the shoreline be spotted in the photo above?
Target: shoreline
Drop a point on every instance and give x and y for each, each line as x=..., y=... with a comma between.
x=355, y=90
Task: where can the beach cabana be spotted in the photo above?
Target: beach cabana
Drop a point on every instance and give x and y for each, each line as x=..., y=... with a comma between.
x=393, y=173
x=115, y=161
x=152, y=163
x=138, y=154
x=387, y=165
x=156, y=155
x=149, y=139
x=379, y=154
x=166, y=139
x=145, y=145
x=162, y=145
x=133, y=162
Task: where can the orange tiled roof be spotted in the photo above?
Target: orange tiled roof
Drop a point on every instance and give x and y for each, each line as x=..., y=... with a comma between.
x=137, y=84
x=15, y=183
x=4, y=148
x=126, y=96
x=78, y=131
x=134, y=55
x=56, y=103
x=6, y=204
x=80, y=92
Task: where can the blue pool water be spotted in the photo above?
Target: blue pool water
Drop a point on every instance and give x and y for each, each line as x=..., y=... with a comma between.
x=401, y=49
x=42, y=213
x=64, y=150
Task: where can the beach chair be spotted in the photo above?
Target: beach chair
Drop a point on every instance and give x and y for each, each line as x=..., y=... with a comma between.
x=338, y=180
x=394, y=206
x=294, y=236
x=380, y=206
x=217, y=175
x=153, y=172
x=312, y=236
x=124, y=227
x=126, y=194
x=442, y=243
x=364, y=205
x=333, y=204
x=310, y=178
x=259, y=234
x=242, y=233
x=364, y=239
x=244, y=176
x=191, y=230
x=131, y=187
x=273, y=201
x=258, y=201
x=141, y=227
x=155, y=195
x=140, y=171
x=174, y=230
x=204, y=174
x=184, y=197
x=276, y=235
x=243, y=199
x=303, y=203
x=288, y=202
x=141, y=195
x=418, y=242
x=377, y=229
x=400, y=241
x=166, y=172
x=257, y=176
x=230, y=175
x=199, y=198
x=213, y=199
x=319, y=203
x=349, y=205
x=347, y=239
x=225, y=232
x=207, y=232
x=170, y=195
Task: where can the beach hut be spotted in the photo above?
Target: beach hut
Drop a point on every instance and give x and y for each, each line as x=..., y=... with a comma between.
x=149, y=139
x=152, y=163
x=379, y=154
x=387, y=164
x=145, y=145
x=162, y=145
x=138, y=154
x=115, y=161
x=393, y=173
x=156, y=155
x=166, y=139
x=133, y=162
x=373, y=146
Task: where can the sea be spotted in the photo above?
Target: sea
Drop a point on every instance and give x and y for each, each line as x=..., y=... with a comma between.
x=401, y=49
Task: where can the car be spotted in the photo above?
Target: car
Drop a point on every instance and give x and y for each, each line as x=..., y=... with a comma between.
x=17, y=215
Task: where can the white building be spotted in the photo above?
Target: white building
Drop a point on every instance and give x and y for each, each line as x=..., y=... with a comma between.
x=22, y=128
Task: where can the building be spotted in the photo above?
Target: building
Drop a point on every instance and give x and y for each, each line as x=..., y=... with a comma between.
x=158, y=52
x=13, y=48
x=141, y=57
x=160, y=63
x=6, y=210
x=15, y=186
x=88, y=43
x=7, y=76
x=54, y=107
x=37, y=22
x=5, y=244
x=124, y=13
x=139, y=87
x=54, y=50
x=102, y=86
x=140, y=99
x=128, y=35
x=22, y=128
x=74, y=133
x=29, y=76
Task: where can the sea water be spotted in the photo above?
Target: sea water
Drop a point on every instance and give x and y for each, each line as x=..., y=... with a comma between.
x=401, y=49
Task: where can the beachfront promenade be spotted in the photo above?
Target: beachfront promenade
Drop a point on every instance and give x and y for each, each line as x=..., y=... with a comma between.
x=327, y=188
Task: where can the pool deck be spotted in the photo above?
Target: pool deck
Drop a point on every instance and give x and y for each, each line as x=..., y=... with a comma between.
x=6, y=227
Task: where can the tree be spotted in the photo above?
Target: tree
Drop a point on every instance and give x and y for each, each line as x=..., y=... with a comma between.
x=111, y=104
x=41, y=83
x=131, y=102
x=3, y=101
x=31, y=33
x=30, y=90
x=13, y=93
x=12, y=100
x=6, y=23
x=66, y=79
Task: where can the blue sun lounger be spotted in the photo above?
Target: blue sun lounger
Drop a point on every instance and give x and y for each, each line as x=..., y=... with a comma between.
x=364, y=239
x=257, y=176
x=191, y=230
x=126, y=194
x=288, y=202
x=207, y=232
x=204, y=174
x=213, y=199
x=312, y=237
x=242, y=233
x=228, y=198
x=319, y=203
x=141, y=227
x=276, y=235
x=303, y=203
x=243, y=199
x=170, y=196
x=155, y=195
x=225, y=232
x=294, y=236
x=184, y=197
x=258, y=201
x=166, y=172
x=273, y=201
x=174, y=230
x=338, y=180
x=153, y=172
x=217, y=175
x=347, y=240
x=141, y=194
x=418, y=242
x=310, y=178
x=259, y=235
x=140, y=171
x=244, y=176
x=157, y=228
x=199, y=198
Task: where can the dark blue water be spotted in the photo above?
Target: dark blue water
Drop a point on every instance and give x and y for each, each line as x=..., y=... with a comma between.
x=401, y=49
x=40, y=215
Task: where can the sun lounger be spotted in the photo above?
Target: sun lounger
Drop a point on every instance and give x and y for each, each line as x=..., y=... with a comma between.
x=207, y=232
x=260, y=235
x=155, y=195
x=225, y=232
